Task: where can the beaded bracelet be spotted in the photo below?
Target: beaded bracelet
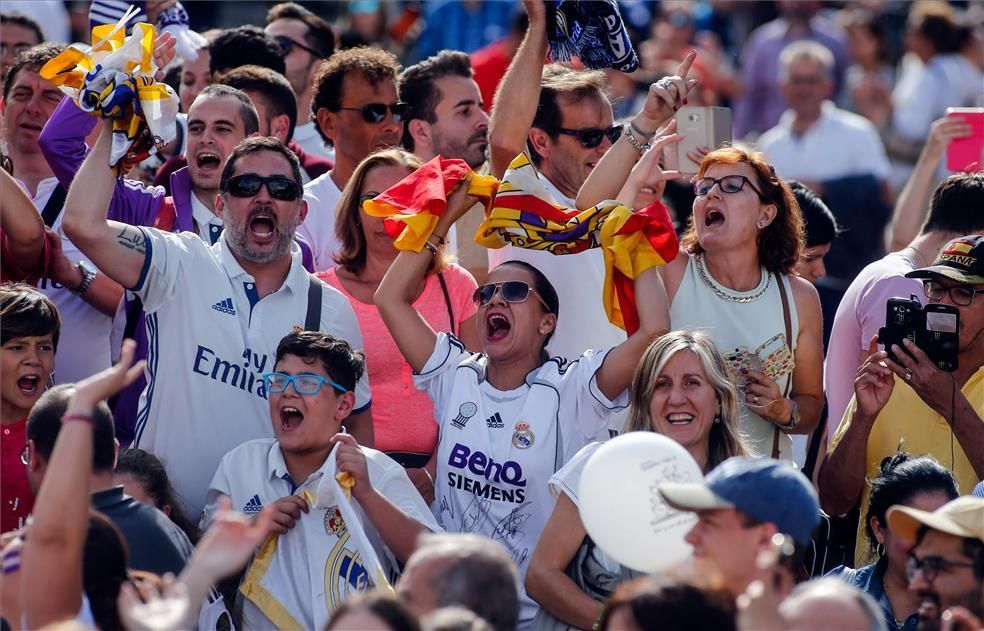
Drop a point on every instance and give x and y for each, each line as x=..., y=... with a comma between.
x=86, y=418
x=440, y=240
x=642, y=147
x=430, y=247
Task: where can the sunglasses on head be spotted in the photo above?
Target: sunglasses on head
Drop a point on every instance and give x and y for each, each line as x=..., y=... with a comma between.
x=591, y=137
x=511, y=291
x=287, y=44
x=376, y=112
x=249, y=184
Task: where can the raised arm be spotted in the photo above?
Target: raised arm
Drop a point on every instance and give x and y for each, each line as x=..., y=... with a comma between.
x=118, y=249
x=22, y=225
x=913, y=203
x=665, y=97
x=399, y=287
x=516, y=100
x=53, y=551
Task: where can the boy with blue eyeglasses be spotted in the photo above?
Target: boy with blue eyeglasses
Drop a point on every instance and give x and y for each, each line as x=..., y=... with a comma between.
x=321, y=546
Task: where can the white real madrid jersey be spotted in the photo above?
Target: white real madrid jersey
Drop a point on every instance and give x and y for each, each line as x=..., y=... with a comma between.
x=497, y=450
x=210, y=338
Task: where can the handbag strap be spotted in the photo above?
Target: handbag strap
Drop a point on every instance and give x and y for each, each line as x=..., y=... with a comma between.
x=787, y=321
x=312, y=320
x=54, y=206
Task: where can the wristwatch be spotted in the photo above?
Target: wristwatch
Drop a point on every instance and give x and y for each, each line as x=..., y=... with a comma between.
x=794, y=418
x=88, y=276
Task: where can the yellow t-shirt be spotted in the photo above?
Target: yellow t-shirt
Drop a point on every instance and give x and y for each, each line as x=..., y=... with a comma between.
x=925, y=432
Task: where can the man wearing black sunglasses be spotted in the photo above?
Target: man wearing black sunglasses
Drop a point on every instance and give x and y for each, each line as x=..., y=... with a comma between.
x=307, y=40
x=214, y=313
x=358, y=112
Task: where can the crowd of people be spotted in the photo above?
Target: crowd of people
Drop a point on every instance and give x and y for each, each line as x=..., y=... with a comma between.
x=289, y=370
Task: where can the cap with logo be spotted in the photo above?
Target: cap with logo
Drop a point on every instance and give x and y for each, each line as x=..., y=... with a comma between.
x=962, y=517
x=765, y=489
x=961, y=260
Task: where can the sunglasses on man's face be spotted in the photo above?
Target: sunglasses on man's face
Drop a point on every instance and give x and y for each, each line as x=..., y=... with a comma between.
x=249, y=184
x=287, y=44
x=511, y=291
x=376, y=112
x=591, y=137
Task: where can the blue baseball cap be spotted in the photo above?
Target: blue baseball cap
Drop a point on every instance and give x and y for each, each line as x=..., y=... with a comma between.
x=765, y=489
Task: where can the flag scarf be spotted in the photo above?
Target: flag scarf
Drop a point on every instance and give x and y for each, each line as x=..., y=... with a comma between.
x=521, y=212
x=327, y=543
x=114, y=79
x=592, y=31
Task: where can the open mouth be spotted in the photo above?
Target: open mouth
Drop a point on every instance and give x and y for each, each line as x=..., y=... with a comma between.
x=290, y=419
x=497, y=327
x=262, y=225
x=208, y=160
x=29, y=385
x=714, y=218
x=680, y=419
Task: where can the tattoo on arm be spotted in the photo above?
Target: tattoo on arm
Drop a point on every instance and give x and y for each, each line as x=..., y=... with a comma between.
x=132, y=238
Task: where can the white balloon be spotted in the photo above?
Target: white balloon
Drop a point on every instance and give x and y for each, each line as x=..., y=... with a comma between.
x=622, y=509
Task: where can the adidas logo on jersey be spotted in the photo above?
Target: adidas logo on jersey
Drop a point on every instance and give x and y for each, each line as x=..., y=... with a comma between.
x=225, y=306
x=494, y=421
x=254, y=505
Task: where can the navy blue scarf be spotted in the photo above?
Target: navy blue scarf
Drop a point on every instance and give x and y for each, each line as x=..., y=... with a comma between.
x=593, y=31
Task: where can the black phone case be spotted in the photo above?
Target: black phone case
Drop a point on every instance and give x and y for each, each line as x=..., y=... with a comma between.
x=906, y=319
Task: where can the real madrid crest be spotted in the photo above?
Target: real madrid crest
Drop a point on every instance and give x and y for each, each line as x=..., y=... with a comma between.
x=334, y=524
x=523, y=437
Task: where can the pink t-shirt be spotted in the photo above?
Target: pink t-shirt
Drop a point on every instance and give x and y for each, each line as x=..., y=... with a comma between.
x=402, y=416
x=860, y=314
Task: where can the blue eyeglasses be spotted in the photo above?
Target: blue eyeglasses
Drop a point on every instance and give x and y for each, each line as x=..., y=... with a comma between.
x=305, y=384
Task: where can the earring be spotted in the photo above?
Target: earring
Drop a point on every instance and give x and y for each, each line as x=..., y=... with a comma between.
x=759, y=224
x=717, y=417
x=880, y=550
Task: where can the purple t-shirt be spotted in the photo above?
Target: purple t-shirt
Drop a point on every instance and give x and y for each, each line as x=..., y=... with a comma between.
x=860, y=314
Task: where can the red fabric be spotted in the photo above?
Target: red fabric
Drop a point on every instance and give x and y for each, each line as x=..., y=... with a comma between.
x=16, y=496
x=489, y=65
x=10, y=272
x=426, y=189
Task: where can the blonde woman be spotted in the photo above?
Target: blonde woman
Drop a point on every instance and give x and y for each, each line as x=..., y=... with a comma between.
x=681, y=389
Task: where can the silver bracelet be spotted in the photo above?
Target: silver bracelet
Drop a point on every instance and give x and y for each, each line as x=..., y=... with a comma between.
x=642, y=147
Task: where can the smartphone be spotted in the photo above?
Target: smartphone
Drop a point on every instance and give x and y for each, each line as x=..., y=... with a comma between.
x=933, y=328
x=701, y=127
x=964, y=154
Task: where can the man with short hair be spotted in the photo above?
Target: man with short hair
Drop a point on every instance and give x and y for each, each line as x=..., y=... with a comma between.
x=214, y=314
x=936, y=413
x=466, y=570
x=86, y=299
x=17, y=33
x=946, y=566
x=155, y=543
x=244, y=44
x=829, y=603
x=740, y=505
x=563, y=120
x=357, y=110
x=307, y=40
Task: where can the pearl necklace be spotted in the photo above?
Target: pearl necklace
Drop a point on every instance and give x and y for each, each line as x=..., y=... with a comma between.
x=720, y=293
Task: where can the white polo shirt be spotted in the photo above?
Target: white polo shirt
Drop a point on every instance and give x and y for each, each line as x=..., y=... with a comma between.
x=255, y=474
x=318, y=229
x=210, y=339
x=839, y=144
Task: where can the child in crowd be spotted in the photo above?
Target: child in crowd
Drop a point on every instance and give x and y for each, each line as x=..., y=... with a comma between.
x=300, y=575
x=29, y=339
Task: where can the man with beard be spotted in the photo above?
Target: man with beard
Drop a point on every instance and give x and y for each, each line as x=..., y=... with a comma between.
x=358, y=112
x=447, y=118
x=946, y=566
x=214, y=313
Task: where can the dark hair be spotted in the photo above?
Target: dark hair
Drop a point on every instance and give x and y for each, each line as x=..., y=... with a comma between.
x=661, y=602
x=375, y=65
x=34, y=58
x=957, y=205
x=902, y=477
x=254, y=144
x=865, y=20
x=244, y=45
x=319, y=35
x=343, y=363
x=384, y=606
x=417, y=85
x=149, y=471
x=44, y=423
x=818, y=220
x=19, y=19
x=779, y=243
x=271, y=85
x=546, y=290
x=936, y=22
x=247, y=111
x=572, y=86
x=104, y=561
x=26, y=312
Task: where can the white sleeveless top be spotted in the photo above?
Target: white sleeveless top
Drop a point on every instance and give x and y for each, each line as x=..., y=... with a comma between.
x=741, y=330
